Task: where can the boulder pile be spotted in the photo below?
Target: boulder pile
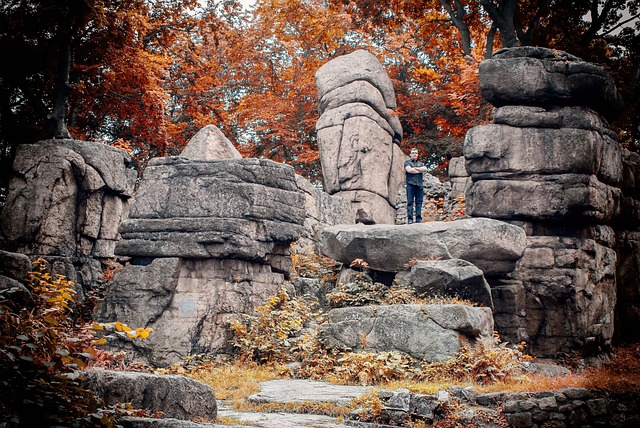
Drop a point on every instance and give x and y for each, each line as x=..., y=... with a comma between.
x=436, y=259
x=358, y=136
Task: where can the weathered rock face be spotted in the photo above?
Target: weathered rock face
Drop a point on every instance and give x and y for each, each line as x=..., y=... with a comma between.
x=551, y=163
x=459, y=177
x=628, y=252
x=540, y=77
x=357, y=135
x=187, y=302
x=321, y=210
x=430, y=332
x=65, y=202
x=248, y=209
x=543, y=173
x=628, y=272
x=175, y=396
x=452, y=277
x=210, y=143
x=209, y=240
x=570, y=293
x=493, y=246
x=14, y=270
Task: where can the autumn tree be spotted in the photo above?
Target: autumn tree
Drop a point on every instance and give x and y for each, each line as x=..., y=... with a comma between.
x=37, y=40
x=145, y=75
x=603, y=31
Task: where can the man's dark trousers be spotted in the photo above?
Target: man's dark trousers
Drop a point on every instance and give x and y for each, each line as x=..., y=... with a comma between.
x=415, y=194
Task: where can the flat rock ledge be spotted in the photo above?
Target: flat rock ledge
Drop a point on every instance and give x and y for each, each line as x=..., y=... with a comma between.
x=303, y=390
x=492, y=245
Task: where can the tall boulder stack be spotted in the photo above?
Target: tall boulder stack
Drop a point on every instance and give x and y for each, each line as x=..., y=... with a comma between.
x=65, y=201
x=550, y=163
x=358, y=131
x=209, y=240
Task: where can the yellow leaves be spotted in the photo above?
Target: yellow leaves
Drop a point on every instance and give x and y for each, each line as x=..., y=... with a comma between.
x=121, y=330
x=426, y=74
x=121, y=327
x=274, y=334
x=143, y=333
x=97, y=326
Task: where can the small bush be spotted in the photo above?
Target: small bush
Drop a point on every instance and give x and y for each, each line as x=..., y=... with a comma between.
x=477, y=364
x=42, y=349
x=276, y=333
x=308, y=264
x=361, y=292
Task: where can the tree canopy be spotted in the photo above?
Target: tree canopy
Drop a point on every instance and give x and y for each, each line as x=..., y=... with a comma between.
x=145, y=75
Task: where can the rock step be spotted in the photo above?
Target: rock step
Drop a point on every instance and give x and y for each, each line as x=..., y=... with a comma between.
x=302, y=390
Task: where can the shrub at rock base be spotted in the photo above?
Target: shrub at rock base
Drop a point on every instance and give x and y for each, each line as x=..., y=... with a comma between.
x=285, y=331
x=43, y=348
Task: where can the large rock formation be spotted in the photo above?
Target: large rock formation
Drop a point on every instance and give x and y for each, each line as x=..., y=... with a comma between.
x=209, y=240
x=65, y=201
x=551, y=163
x=357, y=135
x=248, y=209
x=188, y=303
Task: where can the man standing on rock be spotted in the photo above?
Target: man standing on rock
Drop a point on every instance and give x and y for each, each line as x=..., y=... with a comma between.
x=415, y=191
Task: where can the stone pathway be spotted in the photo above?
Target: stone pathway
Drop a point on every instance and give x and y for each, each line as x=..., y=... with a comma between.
x=294, y=391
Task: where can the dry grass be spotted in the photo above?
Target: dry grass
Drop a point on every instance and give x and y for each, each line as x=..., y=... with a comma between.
x=233, y=381
x=231, y=421
x=304, y=407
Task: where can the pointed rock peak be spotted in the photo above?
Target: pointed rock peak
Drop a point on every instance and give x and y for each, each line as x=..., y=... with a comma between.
x=210, y=144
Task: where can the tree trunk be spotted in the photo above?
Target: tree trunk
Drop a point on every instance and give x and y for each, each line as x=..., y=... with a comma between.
x=457, y=20
x=62, y=89
x=488, y=53
x=504, y=18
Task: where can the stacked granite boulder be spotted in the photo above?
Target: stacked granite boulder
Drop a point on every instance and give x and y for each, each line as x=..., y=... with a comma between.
x=208, y=240
x=448, y=259
x=551, y=163
x=65, y=201
x=358, y=136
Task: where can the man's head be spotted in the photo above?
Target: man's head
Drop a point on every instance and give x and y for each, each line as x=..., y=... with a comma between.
x=413, y=153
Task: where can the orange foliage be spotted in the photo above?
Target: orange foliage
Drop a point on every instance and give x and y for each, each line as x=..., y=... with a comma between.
x=146, y=75
x=171, y=69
